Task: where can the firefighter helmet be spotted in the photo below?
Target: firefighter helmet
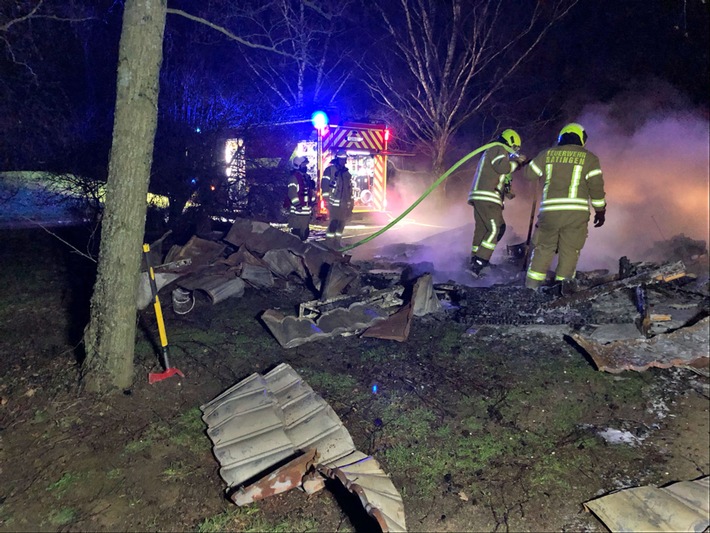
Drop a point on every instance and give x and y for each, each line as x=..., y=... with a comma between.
x=511, y=138
x=298, y=162
x=341, y=153
x=575, y=129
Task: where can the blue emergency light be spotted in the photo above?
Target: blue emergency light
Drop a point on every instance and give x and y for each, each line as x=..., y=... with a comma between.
x=319, y=120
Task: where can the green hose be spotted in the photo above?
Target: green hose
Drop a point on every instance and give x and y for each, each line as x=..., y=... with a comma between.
x=426, y=193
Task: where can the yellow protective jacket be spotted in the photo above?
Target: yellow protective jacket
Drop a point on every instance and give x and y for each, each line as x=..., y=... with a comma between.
x=491, y=176
x=336, y=186
x=573, y=177
x=301, y=193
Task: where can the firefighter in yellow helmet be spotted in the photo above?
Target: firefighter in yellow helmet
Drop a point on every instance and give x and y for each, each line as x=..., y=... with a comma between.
x=337, y=189
x=301, y=198
x=491, y=186
x=573, y=179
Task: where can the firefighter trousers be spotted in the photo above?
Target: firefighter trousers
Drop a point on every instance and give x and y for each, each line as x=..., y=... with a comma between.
x=338, y=218
x=489, y=228
x=300, y=225
x=561, y=232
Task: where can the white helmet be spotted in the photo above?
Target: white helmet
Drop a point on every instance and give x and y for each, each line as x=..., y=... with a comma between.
x=299, y=161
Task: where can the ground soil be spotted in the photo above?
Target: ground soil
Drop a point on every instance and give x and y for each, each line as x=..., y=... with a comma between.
x=481, y=429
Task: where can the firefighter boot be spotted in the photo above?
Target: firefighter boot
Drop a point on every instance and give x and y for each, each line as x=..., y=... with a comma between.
x=477, y=264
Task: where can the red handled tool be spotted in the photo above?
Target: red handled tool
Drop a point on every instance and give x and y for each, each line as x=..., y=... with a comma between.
x=168, y=371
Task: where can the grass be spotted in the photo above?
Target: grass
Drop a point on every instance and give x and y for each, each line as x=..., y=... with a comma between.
x=249, y=520
x=60, y=486
x=155, y=432
x=62, y=517
x=114, y=473
x=187, y=431
x=450, y=339
x=379, y=354
x=40, y=416
x=222, y=339
x=335, y=384
x=177, y=471
x=532, y=425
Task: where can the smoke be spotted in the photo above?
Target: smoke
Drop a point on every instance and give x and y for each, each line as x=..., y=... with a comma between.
x=656, y=179
x=656, y=163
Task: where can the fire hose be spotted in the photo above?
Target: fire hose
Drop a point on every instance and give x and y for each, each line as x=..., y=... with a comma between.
x=427, y=192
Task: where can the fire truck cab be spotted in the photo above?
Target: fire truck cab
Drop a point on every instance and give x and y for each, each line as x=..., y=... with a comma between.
x=366, y=147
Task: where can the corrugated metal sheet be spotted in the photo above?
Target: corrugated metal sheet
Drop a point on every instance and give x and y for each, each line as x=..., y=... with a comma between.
x=362, y=475
x=681, y=506
x=265, y=419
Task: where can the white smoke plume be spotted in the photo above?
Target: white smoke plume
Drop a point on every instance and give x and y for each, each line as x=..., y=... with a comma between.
x=656, y=168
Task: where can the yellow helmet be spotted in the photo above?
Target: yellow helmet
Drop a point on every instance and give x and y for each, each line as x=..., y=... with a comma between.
x=575, y=128
x=511, y=138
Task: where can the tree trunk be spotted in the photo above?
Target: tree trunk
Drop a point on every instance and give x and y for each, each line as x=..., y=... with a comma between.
x=109, y=338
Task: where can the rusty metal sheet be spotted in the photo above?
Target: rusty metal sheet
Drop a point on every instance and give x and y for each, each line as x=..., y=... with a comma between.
x=687, y=347
x=362, y=475
x=395, y=328
x=682, y=506
x=261, y=237
x=283, y=479
x=263, y=420
x=201, y=252
x=244, y=256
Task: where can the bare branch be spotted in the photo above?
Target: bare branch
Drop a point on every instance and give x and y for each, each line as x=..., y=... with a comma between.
x=228, y=33
x=451, y=58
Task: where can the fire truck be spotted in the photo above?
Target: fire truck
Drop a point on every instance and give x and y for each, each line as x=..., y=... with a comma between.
x=366, y=146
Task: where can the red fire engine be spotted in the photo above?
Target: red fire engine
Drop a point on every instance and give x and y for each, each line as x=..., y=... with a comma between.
x=366, y=147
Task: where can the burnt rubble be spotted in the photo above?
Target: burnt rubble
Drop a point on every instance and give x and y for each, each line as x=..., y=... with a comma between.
x=377, y=298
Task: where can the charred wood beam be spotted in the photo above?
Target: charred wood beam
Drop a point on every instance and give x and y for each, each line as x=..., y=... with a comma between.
x=663, y=273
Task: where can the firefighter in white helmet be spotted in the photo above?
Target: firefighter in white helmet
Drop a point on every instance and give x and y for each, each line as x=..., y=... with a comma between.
x=302, y=198
x=491, y=186
x=337, y=190
x=573, y=180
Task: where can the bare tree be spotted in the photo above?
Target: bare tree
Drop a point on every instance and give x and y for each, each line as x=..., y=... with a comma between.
x=109, y=338
x=313, y=44
x=450, y=59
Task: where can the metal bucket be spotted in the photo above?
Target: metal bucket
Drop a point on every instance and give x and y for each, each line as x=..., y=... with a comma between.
x=183, y=301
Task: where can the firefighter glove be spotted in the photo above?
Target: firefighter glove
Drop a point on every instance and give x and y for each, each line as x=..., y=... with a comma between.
x=508, y=191
x=599, y=218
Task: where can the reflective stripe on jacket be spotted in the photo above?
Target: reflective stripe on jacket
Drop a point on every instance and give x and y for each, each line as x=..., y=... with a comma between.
x=336, y=185
x=573, y=178
x=300, y=193
x=491, y=176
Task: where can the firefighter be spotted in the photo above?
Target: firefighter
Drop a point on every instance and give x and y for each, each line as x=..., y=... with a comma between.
x=337, y=189
x=491, y=186
x=573, y=178
x=301, y=195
